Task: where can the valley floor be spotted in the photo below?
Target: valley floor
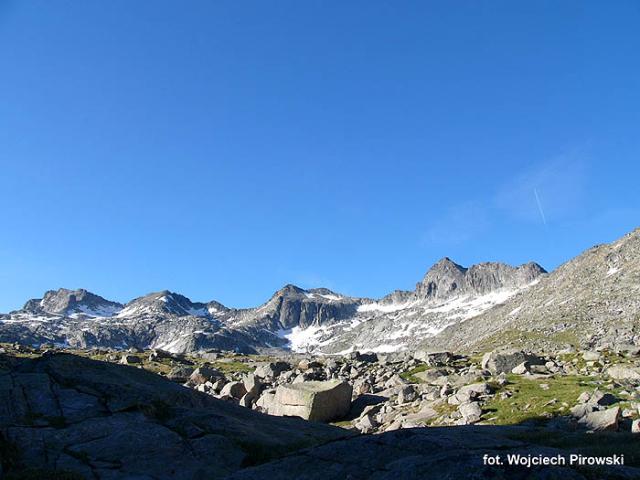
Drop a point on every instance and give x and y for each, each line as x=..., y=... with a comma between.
x=109, y=414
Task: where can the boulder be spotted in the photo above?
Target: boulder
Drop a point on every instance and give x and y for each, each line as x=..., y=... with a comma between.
x=407, y=394
x=233, y=389
x=127, y=359
x=604, y=399
x=622, y=372
x=272, y=370
x=433, y=358
x=591, y=356
x=471, y=412
x=180, y=374
x=252, y=385
x=601, y=420
x=315, y=401
x=204, y=374
x=635, y=426
x=472, y=392
x=363, y=357
x=504, y=361
x=521, y=369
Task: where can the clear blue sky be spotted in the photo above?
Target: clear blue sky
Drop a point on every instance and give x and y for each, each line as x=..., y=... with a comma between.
x=223, y=149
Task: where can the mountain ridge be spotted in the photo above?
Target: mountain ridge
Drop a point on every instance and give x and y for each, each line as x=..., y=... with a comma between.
x=590, y=300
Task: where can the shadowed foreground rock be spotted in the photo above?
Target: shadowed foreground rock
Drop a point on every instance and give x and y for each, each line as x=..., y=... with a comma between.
x=438, y=453
x=106, y=421
x=95, y=420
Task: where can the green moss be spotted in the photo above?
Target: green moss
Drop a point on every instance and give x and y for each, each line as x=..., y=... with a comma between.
x=233, y=367
x=409, y=375
x=529, y=401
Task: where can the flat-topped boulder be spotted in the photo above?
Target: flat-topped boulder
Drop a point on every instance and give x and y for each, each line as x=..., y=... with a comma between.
x=316, y=401
x=504, y=361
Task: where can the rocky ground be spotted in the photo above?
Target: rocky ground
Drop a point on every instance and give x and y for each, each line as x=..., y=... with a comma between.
x=102, y=419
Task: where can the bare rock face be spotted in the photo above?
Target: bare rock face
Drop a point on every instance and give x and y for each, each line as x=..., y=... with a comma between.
x=90, y=419
x=315, y=401
x=447, y=279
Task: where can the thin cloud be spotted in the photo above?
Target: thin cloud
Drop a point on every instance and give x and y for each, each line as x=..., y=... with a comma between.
x=544, y=218
x=561, y=182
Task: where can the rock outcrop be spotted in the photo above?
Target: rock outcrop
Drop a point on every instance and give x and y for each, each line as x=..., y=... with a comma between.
x=105, y=421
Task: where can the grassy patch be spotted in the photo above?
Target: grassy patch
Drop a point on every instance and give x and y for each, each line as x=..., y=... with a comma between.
x=409, y=375
x=233, y=367
x=529, y=401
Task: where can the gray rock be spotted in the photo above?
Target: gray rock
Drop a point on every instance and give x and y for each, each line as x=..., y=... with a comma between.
x=407, y=394
x=127, y=359
x=521, y=369
x=622, y=372
x=131, y=424
x=504, y=361
x=316, y=401
x=205, y=374
x=180, y=374
x=234, y=390
x=601, y=420
x=471, y=412
x=434, y=358
x=271, y=370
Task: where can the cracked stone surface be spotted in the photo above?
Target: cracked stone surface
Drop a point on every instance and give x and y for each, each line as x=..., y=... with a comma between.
x=105, y=421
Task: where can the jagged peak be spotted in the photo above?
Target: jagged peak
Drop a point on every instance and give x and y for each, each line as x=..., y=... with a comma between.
x=66, y=301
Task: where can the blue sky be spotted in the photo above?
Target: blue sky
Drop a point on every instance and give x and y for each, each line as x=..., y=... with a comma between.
x=223, y=149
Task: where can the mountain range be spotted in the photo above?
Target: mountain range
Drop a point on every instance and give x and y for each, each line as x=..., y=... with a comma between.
x=594, y=299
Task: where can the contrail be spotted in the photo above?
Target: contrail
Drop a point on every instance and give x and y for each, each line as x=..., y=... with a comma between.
x=544, y=219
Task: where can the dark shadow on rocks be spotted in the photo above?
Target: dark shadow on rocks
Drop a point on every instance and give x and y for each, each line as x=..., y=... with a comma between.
x=362, y=402
x=64, y=416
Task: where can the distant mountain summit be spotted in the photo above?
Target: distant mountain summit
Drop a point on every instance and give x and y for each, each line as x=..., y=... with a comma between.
x=68, y=302
x=447, y=279
x=593, y=299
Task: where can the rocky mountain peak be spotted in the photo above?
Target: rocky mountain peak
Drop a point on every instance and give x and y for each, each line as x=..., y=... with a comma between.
x=66, y=302
x=448, y=279
x=165, y=301
x=443, y=280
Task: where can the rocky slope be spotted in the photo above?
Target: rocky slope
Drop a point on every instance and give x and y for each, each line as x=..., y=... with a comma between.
x=592, y=300
x=65, y=416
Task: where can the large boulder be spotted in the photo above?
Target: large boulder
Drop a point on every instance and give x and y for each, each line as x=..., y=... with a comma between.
x=180, y=374
x=271, y=370
x=601, y=420
x=234, y=390
x=623, y=372
x=434, y=358
x=316, y=401
x=504, y=361
x=204, y=374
